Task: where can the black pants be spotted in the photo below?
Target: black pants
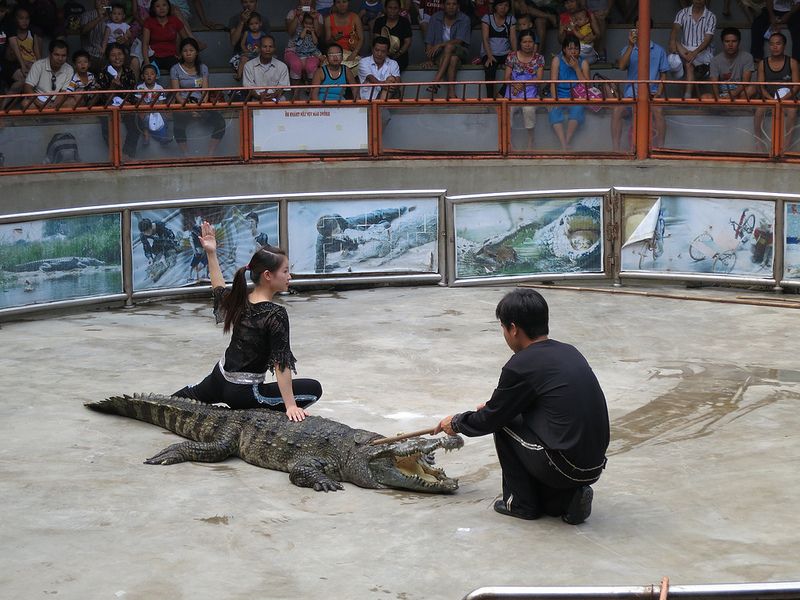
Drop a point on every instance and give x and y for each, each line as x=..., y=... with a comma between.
x=537, y=480
x=132, y=132
x=215, y=388
x=490, y=73
x=760, y=26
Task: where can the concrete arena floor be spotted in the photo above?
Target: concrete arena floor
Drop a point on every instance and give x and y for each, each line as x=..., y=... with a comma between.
x=701, y=484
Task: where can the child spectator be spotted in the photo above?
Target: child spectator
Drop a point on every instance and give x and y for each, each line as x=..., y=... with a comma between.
x=580, y=23
x=542, y=14
x=117, y=30
x=250, y=42
x=82, y=80
x=302, y=55
x=151, y=92
x=24, y=48
x=369, y=11
x=600, y=9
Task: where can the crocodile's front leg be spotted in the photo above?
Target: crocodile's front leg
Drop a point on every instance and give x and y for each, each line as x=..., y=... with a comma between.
x=310, y=472
x=215, y=451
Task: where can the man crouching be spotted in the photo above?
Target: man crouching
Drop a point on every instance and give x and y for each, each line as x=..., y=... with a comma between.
x=548, y=416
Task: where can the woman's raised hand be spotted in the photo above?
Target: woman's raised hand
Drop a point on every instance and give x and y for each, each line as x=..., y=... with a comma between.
x=208, y=237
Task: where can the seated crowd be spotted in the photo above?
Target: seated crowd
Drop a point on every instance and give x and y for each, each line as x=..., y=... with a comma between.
x=131, y=45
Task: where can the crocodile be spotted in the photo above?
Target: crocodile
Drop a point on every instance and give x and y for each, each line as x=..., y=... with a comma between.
x=317, y=453
x=65, y=263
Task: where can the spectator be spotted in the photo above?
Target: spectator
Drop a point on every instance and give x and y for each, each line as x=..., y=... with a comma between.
x=82, y=80
x=45, y=19
x=447, y=42
x=752, y=8
x=237, y=27
x=294, y=18
x=601, y=9
x=377, y=68
x=567, y=66
x=162, y=34
x=544, y=13
x=691, y=37
x=24, y=48
x=397, y=29
x=425, y=9
x=776, y=15
x=190, y=73
x=119, y=32
x=525, y=65
x=733, y=64
x=499, y=33
x=3, y=41
x=267, y=73
x=343, y=27
x=48, y=75
x=774, y=73
x=117, y=75
x=250, y=43
x=181, y=10
x=659, y=67
x=334, y=74
x=93, y=33
x=369, y=11
x=150, y=92
x=580, y=23
x=302, y=55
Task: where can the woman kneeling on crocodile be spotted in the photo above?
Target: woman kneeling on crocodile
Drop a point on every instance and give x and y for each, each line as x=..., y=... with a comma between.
x=260, y=339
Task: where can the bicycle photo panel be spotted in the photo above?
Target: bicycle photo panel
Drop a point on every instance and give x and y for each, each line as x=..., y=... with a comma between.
x=372, y=235
x=166, y=245
x=62, y=258
x=541, y=235
x=683, y=234
x=791, y=253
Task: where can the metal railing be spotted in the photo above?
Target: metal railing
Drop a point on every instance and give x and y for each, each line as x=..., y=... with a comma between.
x=238, y=106
x=789, y=590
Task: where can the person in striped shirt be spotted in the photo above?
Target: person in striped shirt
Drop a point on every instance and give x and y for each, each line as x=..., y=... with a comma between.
x=691, y=37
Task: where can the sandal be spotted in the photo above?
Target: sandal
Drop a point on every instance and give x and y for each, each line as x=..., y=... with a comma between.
x=433, y=89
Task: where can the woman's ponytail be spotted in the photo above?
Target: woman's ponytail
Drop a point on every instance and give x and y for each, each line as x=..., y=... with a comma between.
x=233, y=304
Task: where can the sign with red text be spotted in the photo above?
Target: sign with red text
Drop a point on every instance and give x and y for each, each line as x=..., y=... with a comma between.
x=311, y=129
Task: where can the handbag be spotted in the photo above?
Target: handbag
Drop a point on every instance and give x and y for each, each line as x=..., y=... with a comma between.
x=581, y=92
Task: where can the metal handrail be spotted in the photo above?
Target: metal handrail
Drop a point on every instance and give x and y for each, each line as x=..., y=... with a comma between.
x=789, y=590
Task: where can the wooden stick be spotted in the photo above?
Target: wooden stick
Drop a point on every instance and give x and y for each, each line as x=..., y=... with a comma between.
x=402, y=436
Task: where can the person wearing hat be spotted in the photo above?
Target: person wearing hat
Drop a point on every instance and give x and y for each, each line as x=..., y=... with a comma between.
x=397, y=29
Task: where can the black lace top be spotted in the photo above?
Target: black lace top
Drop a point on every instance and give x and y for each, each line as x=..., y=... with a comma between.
x=260, y=339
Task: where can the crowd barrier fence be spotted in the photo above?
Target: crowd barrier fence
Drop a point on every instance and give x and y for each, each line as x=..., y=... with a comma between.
x=124, y=252
x=118, y=129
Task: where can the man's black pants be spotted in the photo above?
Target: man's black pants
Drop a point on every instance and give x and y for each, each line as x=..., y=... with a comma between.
x=537, y=480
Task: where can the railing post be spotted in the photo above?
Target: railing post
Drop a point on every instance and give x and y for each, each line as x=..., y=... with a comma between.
x=777, y=131
x=643, y=89
x=127, y=258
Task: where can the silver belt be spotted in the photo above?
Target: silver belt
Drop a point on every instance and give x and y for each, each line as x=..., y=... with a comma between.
x=240, y=377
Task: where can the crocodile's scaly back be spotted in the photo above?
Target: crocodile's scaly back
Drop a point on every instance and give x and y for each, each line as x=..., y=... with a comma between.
x=316, y=452
x=188, y=418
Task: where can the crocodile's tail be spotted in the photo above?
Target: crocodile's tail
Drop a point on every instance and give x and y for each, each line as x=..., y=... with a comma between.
x=188, y=418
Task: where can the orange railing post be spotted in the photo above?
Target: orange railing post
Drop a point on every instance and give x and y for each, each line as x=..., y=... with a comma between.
x=643, y=89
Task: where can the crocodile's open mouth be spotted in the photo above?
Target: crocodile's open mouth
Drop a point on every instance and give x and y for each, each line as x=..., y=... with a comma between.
x=408, y=465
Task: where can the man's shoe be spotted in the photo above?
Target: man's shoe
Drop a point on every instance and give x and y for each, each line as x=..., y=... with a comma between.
x=500, y=507
x=579, y=507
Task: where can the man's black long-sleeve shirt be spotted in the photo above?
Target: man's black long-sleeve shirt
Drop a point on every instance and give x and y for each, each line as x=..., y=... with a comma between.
x=552, y=387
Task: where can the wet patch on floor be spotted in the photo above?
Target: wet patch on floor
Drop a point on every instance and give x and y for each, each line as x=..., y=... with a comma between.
x=706, y=398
